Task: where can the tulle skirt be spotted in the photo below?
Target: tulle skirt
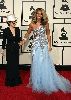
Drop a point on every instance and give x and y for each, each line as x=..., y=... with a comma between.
x=43, y=76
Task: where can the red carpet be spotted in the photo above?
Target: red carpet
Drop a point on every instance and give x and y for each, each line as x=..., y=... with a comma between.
x=24, y=93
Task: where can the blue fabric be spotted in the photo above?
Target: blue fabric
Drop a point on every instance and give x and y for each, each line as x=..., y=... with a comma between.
x=44, y=77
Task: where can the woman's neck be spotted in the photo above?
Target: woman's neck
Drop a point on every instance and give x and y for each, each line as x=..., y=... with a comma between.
x=38, y=20
x=38, y=23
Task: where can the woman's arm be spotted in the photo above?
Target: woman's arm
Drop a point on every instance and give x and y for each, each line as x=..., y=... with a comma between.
x=48, y=36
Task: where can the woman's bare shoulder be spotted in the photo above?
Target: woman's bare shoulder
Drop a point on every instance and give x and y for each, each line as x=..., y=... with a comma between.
x=31, y=25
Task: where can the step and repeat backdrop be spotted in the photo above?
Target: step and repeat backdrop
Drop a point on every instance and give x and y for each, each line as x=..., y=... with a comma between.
x=59, y=15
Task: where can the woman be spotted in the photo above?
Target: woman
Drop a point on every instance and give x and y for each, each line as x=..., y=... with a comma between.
x=44, y=77
x=11, y=39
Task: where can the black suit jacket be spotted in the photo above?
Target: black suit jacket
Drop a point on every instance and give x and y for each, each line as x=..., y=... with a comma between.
x=9, y=39
x=11, y=42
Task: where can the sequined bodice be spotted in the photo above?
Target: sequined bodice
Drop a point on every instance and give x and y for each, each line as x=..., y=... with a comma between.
x=39, y=36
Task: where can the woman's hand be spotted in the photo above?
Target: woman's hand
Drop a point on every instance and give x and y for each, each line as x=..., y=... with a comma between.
x=22, y=42
x=50, y=48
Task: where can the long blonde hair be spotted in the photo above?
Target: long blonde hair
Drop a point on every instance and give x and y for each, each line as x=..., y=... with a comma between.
x=44, y=19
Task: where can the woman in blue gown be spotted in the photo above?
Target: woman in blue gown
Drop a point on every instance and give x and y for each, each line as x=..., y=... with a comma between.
x=43, y=76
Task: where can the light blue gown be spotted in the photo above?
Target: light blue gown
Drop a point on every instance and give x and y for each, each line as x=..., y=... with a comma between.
x=44, y=77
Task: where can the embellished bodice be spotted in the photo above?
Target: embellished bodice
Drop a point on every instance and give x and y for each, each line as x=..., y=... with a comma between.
x=39, y=37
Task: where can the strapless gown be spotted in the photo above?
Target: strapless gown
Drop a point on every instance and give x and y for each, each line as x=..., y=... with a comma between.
x=43, y=75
